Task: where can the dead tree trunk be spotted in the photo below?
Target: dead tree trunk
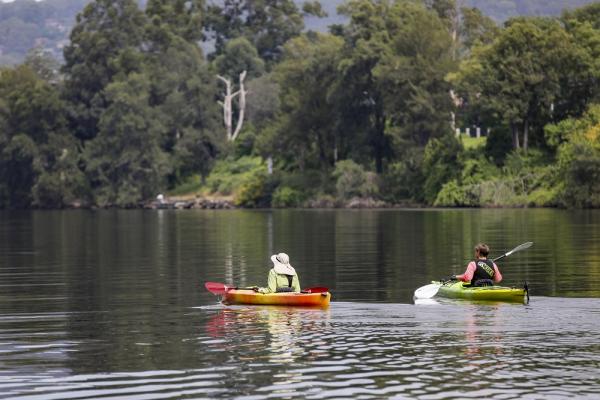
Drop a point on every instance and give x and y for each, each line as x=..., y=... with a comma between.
x=242, y=107
x=227, y=105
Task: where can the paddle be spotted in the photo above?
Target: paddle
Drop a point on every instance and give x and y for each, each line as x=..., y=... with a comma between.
x=221, y=289
x=316, y=289
x=428, y=291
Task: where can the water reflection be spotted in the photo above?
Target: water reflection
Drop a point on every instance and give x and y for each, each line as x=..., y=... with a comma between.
x=276, y=334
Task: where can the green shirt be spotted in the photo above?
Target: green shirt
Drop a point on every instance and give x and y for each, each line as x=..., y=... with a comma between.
x=278, y=280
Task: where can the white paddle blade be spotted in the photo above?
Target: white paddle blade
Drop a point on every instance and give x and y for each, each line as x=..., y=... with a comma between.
x=427, y=291
x=520, y=247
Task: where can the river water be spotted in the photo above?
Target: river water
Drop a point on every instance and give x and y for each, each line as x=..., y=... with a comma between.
x=111, y=304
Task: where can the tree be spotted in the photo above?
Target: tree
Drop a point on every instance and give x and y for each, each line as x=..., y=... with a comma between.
x=476, y=28
x=578, y=147
x=18, y=171
x=306, y=134
x=238, y=56
x=125, y=163
x=182, y=88
x=589, y=14
x=267, y=24
x=175, y=18
x=392, y=74
x=530, y=74
x=105, y=43
x=34, y=144
x=43, y=64
x=441, y=164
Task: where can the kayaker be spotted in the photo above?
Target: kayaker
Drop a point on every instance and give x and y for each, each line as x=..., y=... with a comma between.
x=481, y=271
x=282, y=277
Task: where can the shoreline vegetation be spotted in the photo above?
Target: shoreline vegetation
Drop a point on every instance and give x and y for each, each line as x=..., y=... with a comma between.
x=404, y=103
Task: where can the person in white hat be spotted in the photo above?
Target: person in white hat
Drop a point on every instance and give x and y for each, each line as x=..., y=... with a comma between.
x=282, y=277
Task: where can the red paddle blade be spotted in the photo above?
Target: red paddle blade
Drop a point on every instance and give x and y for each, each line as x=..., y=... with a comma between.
x=216, y=288
x=317, y=289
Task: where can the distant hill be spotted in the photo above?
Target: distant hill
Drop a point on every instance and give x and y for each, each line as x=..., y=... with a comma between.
x=498, y=10
x=27, y=23
x=501, y=10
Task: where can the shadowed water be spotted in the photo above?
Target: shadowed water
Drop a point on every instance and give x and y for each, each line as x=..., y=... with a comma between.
x=111, y=304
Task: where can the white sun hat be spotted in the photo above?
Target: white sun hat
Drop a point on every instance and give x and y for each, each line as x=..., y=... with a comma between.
x=281, y=264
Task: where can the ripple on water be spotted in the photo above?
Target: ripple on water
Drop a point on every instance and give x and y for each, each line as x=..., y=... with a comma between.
x=352, y=350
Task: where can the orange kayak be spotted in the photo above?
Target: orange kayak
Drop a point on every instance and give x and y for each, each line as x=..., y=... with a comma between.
x=277, y=299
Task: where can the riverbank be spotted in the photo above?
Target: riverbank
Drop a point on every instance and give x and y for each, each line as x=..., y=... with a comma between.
x=223, y=203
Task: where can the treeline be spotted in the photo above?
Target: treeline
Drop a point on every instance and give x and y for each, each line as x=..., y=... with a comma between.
x=365, y=111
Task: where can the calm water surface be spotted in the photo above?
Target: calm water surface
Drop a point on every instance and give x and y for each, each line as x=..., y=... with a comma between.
x=111, y=304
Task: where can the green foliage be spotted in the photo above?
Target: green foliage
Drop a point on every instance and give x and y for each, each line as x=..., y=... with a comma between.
x=35, y=148
x=43, y=63
x=473, y=142
x=579, y=159
x=32, y=106
x=104, y=43
x=403, y=180
x=125, y=162
x=498, y=144
x=191, y=185
x=239, y=55
x=525, y=180
x=582, y=178
x=533, y=72
x=395, y=58
x=267, y=24
x=228, y=175
x=453, y=194
x=476, y=28
x=255, y=191
x=263, y=100
x=285, y=196
x=353, y=181
x=18, y=171
x=170, y=19
x=441, y=164
x=305, y=133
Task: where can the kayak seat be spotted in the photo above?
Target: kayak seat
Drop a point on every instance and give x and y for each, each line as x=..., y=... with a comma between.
x=284, y=289
x=483, y=282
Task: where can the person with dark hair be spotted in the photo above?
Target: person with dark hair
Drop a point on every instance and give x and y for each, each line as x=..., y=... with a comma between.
x=481, y=271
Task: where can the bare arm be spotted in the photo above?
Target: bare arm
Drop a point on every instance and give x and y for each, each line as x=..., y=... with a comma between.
x=497, y=274
x=468, y=275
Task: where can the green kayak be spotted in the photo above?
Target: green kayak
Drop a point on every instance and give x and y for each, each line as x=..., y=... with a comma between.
x=457, y=290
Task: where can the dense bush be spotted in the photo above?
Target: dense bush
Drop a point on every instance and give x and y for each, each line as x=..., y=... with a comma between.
x=403, y=180
x=285, y=196
x=230, y=174
x=441, y=164
x=253, y=191
x=581, y=177
x=353, y=181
